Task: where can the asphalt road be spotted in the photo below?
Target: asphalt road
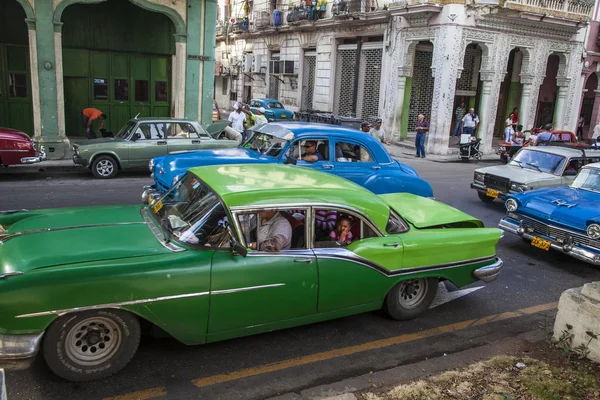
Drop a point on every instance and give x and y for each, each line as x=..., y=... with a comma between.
x=266, y=365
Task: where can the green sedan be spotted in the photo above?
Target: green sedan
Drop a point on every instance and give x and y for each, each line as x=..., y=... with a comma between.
x=142, y=139
x=229, y=251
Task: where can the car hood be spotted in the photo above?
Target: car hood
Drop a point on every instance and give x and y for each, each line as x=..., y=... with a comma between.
x=422, y=212
x=517, y=174
x=177, y=164
x=46, y=238
x=564, y=205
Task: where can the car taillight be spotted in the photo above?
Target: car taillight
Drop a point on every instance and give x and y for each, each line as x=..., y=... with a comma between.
x=24, y=145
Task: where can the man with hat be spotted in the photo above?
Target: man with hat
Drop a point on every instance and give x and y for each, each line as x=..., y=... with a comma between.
x=366, y=127
x=378, y=133
x=260, y=116
x=237, y=118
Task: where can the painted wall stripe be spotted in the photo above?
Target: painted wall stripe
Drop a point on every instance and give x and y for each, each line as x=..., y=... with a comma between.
x=141, y=394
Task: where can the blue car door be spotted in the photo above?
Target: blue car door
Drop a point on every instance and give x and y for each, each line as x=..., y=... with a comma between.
x=354, y=161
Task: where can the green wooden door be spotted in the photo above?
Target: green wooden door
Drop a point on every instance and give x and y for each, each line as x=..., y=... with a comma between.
x=76, y=97
x=16, y=109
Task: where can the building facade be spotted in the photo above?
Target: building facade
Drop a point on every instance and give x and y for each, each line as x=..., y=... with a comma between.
x=590, y=92
x=399, y=59
x=124, y=57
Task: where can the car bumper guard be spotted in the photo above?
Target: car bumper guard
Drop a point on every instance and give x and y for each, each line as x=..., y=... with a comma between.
x=18, y=351
x=150, y=194
x=574, y=251
x=489, y=272
x=41, y=156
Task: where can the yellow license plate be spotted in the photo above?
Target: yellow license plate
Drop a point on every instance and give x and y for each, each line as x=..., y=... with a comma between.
x=540, y=243
x=156, y=207
x=491, y=193
x=283, y=116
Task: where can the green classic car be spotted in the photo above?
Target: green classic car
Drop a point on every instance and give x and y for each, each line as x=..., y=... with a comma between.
x=142, y=139
x=187, y=265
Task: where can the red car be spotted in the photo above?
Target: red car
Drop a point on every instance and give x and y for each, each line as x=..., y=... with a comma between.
x=506, y=150
x=17, y=148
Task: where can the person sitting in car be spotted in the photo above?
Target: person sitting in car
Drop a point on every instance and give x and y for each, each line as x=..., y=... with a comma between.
x=310, y=152
x=274, y=232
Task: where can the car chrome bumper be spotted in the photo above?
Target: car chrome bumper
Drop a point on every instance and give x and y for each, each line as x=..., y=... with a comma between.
x=79, y=160
x=150, y=194
x=574, y=251
x=482, y=189
x=41, y=156
x=489, y=272
x=18, y=351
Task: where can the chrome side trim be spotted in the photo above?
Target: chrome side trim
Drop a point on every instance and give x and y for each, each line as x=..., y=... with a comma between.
x=12, y=211
x=7, y=274
x=157, y=233
x=111, y=305
x=7, y=236
x=246, y=289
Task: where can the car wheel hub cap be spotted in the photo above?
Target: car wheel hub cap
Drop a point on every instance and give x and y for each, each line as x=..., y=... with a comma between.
x=412, y=293
x=93, y=341
x=105, y=167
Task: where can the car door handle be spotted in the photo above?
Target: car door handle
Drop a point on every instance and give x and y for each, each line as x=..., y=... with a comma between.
x=196, y=141
x=376, y=167
x=327, y=166
x=303, y=260
x=396, y=244
x=161, y=142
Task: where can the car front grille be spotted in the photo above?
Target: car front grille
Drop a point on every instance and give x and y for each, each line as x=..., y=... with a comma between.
x=558, y=234
x=497, y=183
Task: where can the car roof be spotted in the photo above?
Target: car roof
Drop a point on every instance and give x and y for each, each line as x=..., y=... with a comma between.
x=564, y=151
x=248, y=185
x=161, y=119
x=268, y=100
x=300, y=130
x=593, y=165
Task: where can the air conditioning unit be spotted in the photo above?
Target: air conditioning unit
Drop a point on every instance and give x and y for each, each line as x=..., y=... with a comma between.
x=274, y=67
x=286, y=67
x=257, y=63
x=248, y=60
x=233, y=61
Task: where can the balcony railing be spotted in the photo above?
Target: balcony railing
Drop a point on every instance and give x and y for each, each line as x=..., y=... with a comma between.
x=555, y=7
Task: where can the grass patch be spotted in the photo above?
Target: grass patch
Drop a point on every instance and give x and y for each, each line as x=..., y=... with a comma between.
x=501, y=379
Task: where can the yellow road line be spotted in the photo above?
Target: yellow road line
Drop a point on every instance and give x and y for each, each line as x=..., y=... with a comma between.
x=345, y=351
x=141, y=394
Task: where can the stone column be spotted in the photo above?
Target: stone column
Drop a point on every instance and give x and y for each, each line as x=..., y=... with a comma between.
x=595, y=118
x=559, y=105
x=483, y=130
x=35, y=82
x=525, y=103
x=179, y=77
x=60, y=94
x=399, y=107
x=207, y=91
x=193, y=78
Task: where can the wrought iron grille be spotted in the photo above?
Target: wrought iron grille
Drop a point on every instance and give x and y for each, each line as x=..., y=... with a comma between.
x=465, y=82
x=422, y=88
x=344, y=82
x=368, y=86
x=273, y=81
x=308, y=85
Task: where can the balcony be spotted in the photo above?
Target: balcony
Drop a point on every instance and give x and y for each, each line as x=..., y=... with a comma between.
x=580, y=10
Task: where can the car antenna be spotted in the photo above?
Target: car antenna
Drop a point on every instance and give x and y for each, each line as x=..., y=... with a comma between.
x=136, y=115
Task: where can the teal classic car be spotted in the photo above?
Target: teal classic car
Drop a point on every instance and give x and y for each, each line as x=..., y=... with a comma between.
x=142, y=139
x=229, y=251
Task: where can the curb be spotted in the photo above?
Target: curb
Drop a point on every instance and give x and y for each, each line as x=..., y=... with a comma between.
x=346, y=389
x=2, y=386
x=50, y=167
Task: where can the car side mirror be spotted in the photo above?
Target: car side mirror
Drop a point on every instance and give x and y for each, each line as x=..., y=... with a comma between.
x=135, y=136
x=237, y=248
x=290, y=160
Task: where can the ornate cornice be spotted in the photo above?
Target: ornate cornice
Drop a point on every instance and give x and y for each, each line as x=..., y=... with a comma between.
x=526, y=27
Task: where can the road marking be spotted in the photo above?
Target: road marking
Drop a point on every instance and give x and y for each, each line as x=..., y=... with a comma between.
x=141, y=394
x=345, y=351
x=444, y=296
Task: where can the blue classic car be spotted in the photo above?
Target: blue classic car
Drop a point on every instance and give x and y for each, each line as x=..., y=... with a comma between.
x=344, y=152
x=274, y=110
x=564, y=218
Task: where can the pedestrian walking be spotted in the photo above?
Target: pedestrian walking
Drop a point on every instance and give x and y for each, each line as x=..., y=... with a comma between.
x=378, y=133
x=509, y=131
x=459, y=114
x=422, y=129
x=580, y=125
x=546, y=136
x=89, y=115
x=470, y=122
x=237, y=118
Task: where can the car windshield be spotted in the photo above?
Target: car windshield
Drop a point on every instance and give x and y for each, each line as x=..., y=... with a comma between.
x=588, y=179
x=265, y=144
x=125, y=130
x=275, y=105
x=538, y=161
x=190, y=212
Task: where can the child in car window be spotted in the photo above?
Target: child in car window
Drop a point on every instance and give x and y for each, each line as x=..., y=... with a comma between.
x=342, y=233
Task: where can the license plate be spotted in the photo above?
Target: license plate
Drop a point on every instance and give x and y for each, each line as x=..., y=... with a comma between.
x=540, y=243
x=283, y=116
x=156, y=207
x=491, y=193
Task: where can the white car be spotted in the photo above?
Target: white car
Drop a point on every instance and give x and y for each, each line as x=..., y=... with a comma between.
x=532, y=167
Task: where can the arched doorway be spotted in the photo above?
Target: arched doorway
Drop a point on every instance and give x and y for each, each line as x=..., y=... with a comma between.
x=587, y=106
x=16, y=109
x=510, y=93
x=422, y=83
x=117, y=58
x=547, y=95
x=468, y=85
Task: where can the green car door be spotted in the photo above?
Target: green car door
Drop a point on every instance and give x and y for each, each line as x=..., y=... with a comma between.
x=150, y=143
x=182, y=136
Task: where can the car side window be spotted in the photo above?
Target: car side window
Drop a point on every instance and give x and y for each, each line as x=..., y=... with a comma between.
x=178, y=130
x=352, y=152
x=211, y=231
x=338, y=228
x=255, y=104
x=274, y=230
x=573, y=166
x=303, y=149
x=157, y=131
x=143, y=130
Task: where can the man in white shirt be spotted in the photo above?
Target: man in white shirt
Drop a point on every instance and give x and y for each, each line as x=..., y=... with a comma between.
x=274, y=232
x=237, y=118
x=596, y=135
x=378, y=132
x=470, y=122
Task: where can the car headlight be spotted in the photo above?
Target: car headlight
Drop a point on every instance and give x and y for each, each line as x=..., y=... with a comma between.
x=511, y=205
x=518, y=187
x=175, y=179
x=593, y=231
x=478, y=176
x=151, y=165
